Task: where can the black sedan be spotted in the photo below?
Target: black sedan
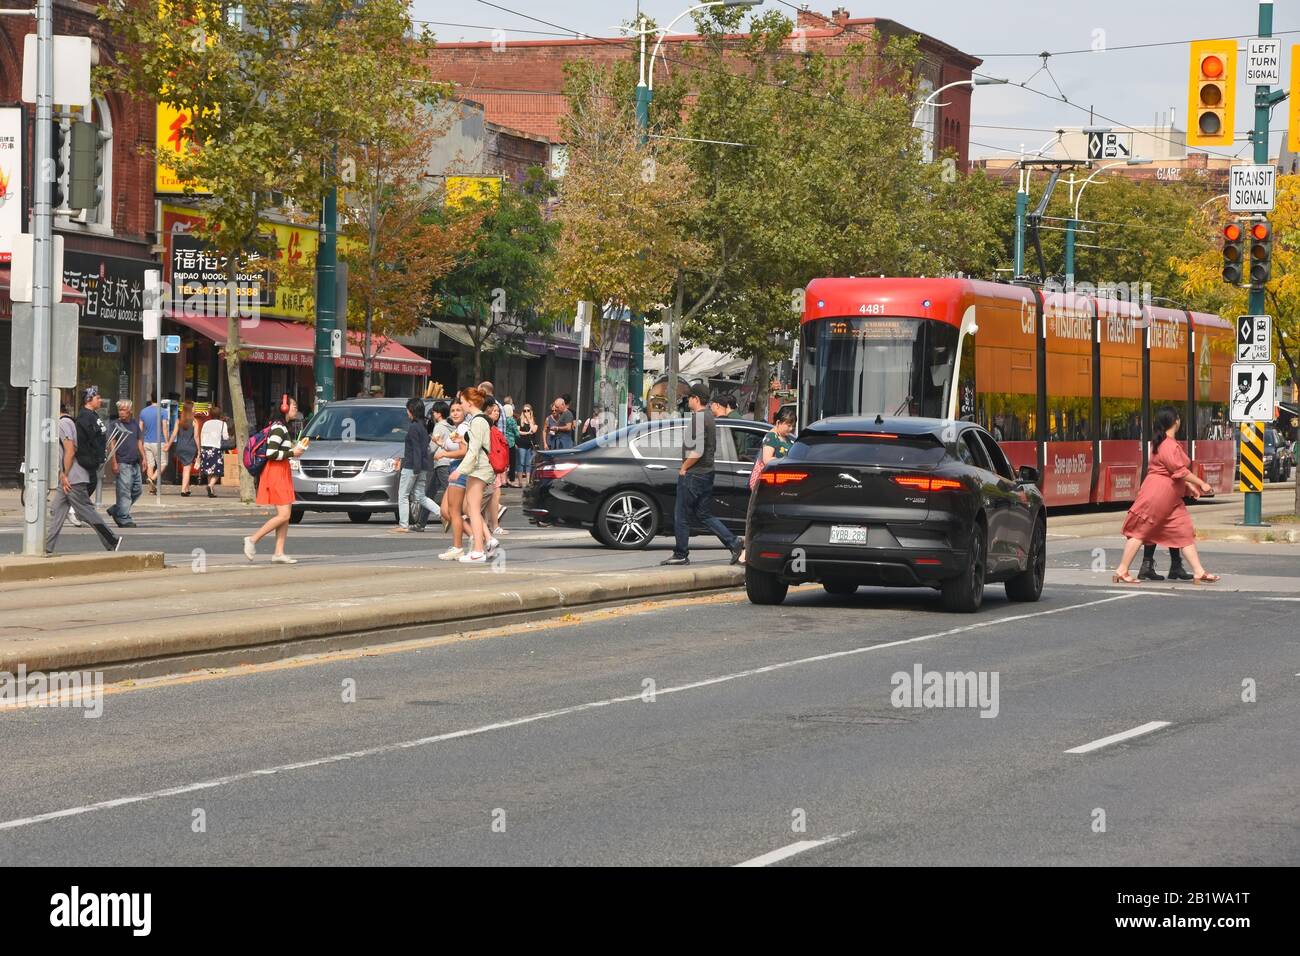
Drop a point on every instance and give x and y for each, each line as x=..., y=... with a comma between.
x=623, y=486
x=904, y=502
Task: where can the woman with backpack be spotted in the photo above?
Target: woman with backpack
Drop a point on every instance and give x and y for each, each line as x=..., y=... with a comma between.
x=476, y=468
x=275, y=484
x=185, y=441
x=494, y=510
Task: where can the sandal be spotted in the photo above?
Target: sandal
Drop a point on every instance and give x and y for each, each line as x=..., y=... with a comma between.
x=1125, y=578
x=1206, y=578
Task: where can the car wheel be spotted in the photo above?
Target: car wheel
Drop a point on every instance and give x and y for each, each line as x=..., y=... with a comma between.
x=840, y=588
x=359, y=517
x=1028, y=584
x=595, y=533
x=965, y=593
x=764, y=588
x=295, y=515
x=627, y=520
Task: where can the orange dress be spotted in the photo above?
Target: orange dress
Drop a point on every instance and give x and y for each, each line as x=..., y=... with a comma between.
x=275, y=486
x=1159, y=516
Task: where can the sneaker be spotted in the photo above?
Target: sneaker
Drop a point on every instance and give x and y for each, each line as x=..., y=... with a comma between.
x=737, y=550
x=492, y=546
x=250, y=549
x=501, y=531
x=674, y=561
x=127, y=523
x=474, y=557
x=451, y=554
x=283, y=559
x=116, y=543
x=74, y=520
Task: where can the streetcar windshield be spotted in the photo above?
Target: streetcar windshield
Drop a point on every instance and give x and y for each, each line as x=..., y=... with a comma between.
x=887, y=366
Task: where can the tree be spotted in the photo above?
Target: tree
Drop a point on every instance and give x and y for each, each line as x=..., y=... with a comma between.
x=394, y=247
x=625, y=209
x=500, y=274
x=269, y=89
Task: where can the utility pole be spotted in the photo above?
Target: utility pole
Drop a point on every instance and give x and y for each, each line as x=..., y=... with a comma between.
x=636, y=333
x=326, y=294
x=1264, y=102
x=41, y=417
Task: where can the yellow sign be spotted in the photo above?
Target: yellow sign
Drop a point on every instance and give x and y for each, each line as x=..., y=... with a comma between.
x=1252, y=457
x=295, y=245
x=172, y=136
x=472, y=188
x=1293, y=104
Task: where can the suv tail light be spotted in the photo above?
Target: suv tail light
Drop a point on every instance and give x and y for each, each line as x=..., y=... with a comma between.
x=553, y=471
x=922, y=483
x=781, y=477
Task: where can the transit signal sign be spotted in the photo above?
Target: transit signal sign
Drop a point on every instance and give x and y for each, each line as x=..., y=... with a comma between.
x=1255, y=338
x=1252, y=188
x=1252, y=392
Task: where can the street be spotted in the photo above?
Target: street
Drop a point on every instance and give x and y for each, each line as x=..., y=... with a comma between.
x=706, y=731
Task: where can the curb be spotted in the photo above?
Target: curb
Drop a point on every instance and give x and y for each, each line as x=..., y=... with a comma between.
x=249, y=630
x=1277, y=534
x=15, y=567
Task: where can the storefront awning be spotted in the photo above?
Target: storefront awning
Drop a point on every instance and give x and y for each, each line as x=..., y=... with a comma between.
x=278, y=342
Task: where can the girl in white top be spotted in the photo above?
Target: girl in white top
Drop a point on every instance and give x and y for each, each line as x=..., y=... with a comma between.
x=453, y=499
x=212, y=459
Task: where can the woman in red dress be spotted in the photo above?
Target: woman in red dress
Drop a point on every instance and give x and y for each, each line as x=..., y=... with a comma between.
x=1159, y=516
x=275, y=484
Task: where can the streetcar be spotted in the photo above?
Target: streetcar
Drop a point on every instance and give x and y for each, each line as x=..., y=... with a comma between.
x=1066, y=383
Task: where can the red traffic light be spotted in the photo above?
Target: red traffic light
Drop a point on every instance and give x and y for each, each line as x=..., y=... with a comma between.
x=1232, y=232
x=1259, y=231
x=1211, y=67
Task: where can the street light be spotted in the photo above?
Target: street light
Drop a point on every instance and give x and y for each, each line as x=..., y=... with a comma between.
x=976, y=81
x=645, y=89
x=1071, y=224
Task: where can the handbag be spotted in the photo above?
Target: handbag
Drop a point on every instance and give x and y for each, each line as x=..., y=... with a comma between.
x=227, y=443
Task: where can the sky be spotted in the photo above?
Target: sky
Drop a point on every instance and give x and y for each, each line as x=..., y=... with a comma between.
x=1129, y=86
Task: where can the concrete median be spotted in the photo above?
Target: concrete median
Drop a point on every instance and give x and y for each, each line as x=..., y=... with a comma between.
x=16, y=567
x=273, y=616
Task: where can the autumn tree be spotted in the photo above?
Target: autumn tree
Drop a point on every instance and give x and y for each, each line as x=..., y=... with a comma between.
x=395, y=247
x=625, y=211
x=270, y=89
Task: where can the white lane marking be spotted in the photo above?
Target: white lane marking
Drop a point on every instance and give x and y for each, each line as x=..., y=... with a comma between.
x=1146, y=728
x=776, y=856
x=1282, y=599
x=531, y=718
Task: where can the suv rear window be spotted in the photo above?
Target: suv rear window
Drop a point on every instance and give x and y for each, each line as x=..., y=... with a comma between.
x=910, y=451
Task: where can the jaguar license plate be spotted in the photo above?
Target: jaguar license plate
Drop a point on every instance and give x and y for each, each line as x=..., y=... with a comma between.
x=848, y=534
x=327, y=489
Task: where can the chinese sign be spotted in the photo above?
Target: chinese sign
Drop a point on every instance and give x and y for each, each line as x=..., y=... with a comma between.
x=173, y=136
x=113, y=287
x=295, y=245
x=11, y=178
x=196, y=271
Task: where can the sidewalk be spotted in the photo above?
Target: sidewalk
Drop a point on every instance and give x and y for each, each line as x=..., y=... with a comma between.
x=230, y=615
x=1216, y=519
x=173, y=505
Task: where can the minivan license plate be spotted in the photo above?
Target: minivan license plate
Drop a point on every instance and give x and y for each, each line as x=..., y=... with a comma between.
x=848, y=534
x=327, y=489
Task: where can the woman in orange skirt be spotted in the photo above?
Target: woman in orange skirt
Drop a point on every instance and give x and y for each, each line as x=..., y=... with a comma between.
x=1159, y=515
x=275, y=484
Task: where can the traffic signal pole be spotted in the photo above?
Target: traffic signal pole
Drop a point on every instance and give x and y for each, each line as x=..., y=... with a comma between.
x=326, y=293
x=1264, y=101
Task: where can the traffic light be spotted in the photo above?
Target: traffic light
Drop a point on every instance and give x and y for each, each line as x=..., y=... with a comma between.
x=58, y=143
x=1234, y=241
x=85, y=166
x=1261, y=253
x=1212, y=93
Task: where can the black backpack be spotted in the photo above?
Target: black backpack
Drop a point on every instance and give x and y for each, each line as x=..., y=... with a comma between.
x=92, y=442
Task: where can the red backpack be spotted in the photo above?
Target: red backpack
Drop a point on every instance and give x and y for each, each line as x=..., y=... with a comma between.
x=499, y=449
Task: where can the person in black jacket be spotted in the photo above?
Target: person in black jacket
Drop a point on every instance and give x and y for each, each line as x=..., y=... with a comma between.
x=415, y=469
x=84, y=445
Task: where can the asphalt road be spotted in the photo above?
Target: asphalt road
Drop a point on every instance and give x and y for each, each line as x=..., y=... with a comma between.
x=710, y=731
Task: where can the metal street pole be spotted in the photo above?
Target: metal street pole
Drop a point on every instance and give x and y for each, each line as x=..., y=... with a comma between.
x=1254, y=504
x=41, y=422
x=326, y=294
x=636, y=333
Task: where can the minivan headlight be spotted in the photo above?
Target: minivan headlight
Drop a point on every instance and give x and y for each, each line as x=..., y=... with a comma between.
x=385, y=466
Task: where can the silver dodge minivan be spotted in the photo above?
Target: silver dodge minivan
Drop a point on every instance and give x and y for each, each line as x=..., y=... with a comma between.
x=353, y=459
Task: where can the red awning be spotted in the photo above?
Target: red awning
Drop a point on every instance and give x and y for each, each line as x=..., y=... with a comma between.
x=281, y=342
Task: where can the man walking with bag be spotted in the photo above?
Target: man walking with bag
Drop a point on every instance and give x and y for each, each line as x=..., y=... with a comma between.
x=84, y=445
x=695, y=482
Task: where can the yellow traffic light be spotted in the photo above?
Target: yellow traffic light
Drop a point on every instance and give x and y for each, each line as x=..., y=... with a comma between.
x=1212, y=93
x=1293, y=103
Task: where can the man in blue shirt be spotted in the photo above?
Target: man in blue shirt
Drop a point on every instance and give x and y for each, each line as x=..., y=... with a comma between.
x=125, y=435
x=150, y=419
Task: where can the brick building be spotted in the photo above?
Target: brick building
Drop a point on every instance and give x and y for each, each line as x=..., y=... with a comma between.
x=520, y=83
x=106, y=249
